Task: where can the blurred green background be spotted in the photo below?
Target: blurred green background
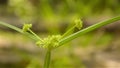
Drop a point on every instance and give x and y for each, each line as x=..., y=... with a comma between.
x=97, y=49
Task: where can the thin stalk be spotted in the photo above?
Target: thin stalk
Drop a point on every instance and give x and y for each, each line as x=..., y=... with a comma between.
x=19, y=30
x=86, y=30
x=47, y=59
x=11, y=26
x=35, y=35
x=68, y=32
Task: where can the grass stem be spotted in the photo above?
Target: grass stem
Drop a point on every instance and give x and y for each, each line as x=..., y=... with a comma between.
x=47, y=59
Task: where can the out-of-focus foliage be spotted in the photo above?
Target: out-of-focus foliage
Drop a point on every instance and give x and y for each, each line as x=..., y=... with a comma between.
x=34, y=63
x=23, y=9
x=52, y=10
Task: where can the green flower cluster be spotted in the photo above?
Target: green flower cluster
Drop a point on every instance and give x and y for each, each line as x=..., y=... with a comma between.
x=26, y=27
x=78, y=23
x=50, y=41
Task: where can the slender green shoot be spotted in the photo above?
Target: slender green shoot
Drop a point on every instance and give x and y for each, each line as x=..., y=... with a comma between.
x=11, y=26
x=19, y=30
x=47, y=59
x=35, y=35
x=77, y=23
x=86, y=30
x=68, y=32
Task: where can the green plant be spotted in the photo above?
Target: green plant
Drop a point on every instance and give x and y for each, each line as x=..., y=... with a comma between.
x=54, y=41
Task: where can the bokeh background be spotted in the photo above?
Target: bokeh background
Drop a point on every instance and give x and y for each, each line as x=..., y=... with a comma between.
x=97, y=49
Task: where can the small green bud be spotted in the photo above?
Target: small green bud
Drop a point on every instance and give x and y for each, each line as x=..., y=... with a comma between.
x=26, y=27
x=78, y=23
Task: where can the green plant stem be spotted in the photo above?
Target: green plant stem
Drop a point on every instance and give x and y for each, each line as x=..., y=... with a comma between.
x=35, y=35
x=68, y=32
x=88, y=29
x=11, y=26
x=47, y=59
x=19, y=30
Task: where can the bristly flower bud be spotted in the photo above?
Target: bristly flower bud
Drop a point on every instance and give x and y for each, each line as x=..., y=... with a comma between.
x=26, y=27
x=78, y=23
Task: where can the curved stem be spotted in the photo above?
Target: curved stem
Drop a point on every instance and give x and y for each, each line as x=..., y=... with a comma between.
x=47, y=59
x=88, y=29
